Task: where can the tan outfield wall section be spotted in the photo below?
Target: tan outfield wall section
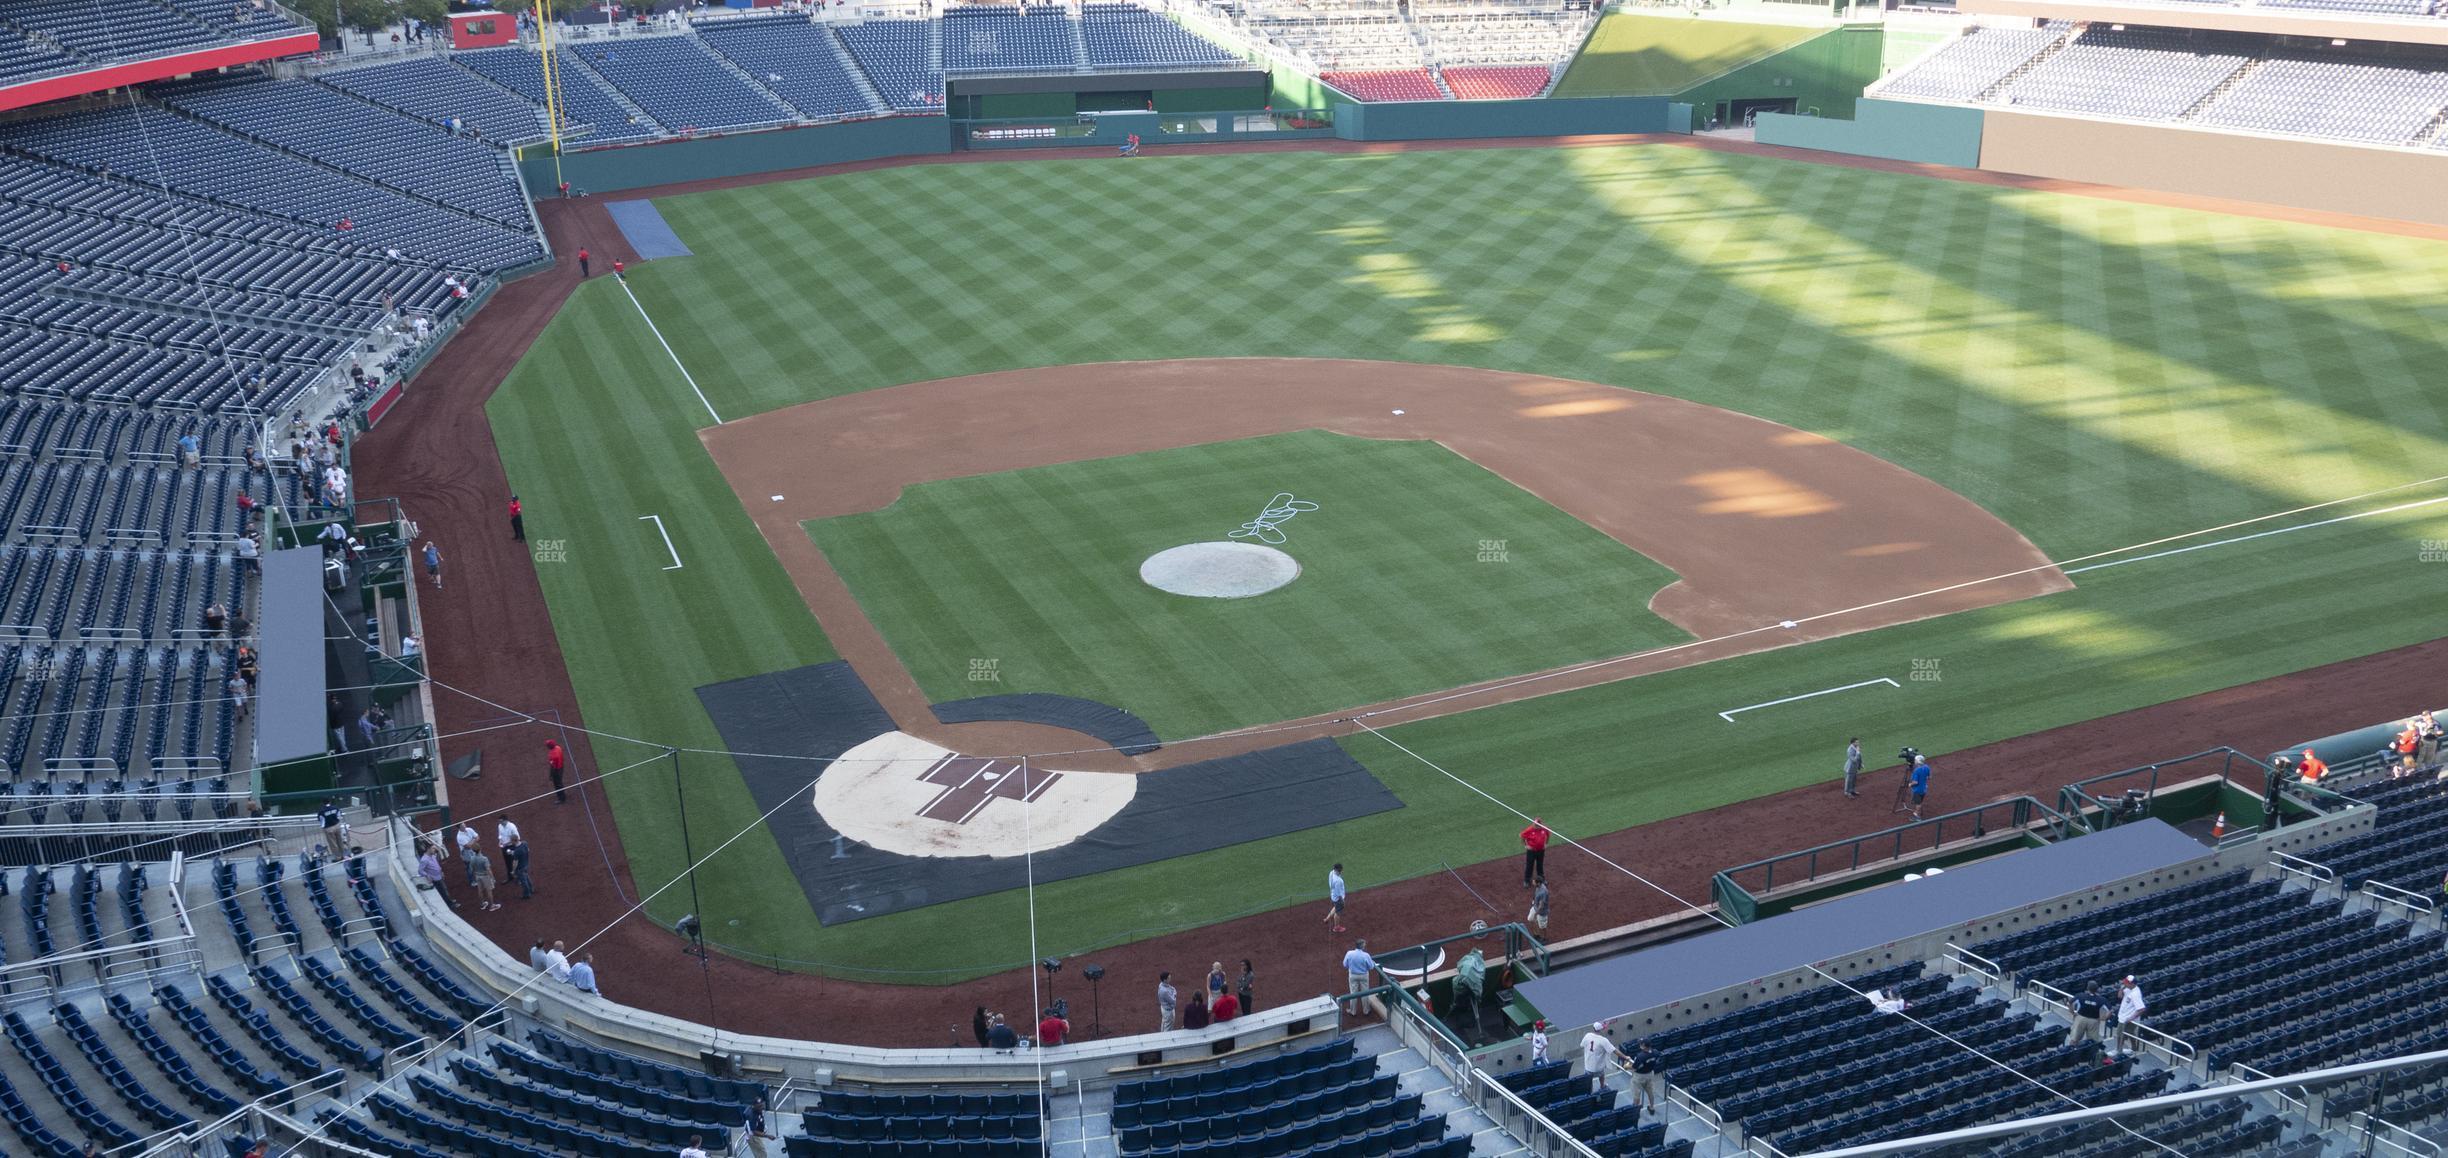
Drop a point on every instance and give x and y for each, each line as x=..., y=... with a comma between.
x=2403, y=184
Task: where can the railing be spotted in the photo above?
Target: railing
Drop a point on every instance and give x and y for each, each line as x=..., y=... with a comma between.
x=2180, y=1053
x=1514, y=1109
x=38, y=979
x=2382, y=892
x=2107, y=792
x=2240, y=1070
x=2414, y=1144
x=1888, y=847
x=1974, y=962
x=2318, y=874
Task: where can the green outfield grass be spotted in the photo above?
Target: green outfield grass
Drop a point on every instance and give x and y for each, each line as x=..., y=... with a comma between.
x=2097, y=373
x=1397, y=593
x=1635, y=55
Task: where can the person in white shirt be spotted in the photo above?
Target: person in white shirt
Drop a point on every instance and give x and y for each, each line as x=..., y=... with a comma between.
x=1887, y=1001
x=409, y=646
x=695, y=1148
x=468, y=850
x=1538, y=1043
x=505, y=834
x=2130, y=1011
x=556, y=962
x=1597, y=1054
x=1357, y=965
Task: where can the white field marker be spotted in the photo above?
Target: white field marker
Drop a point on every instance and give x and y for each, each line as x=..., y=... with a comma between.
x=657, y=331
x=657, y=520
x=2257, y=535
x=1728, y=716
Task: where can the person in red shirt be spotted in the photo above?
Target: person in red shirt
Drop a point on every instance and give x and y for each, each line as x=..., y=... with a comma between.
x=620, y=269
x=1226, y=1008
x=583, y=271
x=555, y=760
x=1534, y=853
x=2311, y=769
x=2406, y=742
x=518, y=522
x=1052, y=1031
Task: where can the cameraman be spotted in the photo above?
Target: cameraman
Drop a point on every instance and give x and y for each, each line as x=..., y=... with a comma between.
x=1920, y=783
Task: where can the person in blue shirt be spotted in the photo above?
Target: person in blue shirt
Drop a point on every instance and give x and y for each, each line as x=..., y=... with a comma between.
x=582, y=974
x=1920, y=783
x=190, y=450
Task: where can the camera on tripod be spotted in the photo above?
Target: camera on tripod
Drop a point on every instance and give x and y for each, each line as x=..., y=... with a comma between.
x=1908, y=753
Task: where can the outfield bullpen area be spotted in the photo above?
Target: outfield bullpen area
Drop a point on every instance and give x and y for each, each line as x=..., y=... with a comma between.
x=2048, y=364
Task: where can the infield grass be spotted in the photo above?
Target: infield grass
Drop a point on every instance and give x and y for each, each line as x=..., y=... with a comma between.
x=1420, y=570
x=2097, y=373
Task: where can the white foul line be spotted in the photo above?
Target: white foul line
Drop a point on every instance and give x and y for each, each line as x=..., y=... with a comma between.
x=667, y=543
x=658, y=333
x=1728, y=716
x=2257, y=535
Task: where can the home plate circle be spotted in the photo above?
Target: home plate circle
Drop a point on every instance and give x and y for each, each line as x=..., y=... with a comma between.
x=902, y=794
x=1219, y=570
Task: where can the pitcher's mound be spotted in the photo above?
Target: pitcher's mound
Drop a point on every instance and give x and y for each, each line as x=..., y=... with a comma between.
x=1219, y=570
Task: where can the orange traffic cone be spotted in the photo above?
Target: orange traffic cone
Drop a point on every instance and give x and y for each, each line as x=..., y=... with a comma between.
x=2218, y=828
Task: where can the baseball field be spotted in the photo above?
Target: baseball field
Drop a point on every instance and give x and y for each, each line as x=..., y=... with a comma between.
x=2215, y=433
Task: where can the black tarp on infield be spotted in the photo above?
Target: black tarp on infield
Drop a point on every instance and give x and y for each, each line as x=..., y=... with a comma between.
x=824, y=710
x=1087, y=717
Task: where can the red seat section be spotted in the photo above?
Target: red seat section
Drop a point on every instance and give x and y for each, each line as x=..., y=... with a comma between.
x=1495, y=81
x=1402, y=84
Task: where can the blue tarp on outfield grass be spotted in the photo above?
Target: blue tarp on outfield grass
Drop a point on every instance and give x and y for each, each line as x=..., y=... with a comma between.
x=648, y=233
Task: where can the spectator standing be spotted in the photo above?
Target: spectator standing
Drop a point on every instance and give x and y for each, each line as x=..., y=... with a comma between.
x=1534, y=852
x=518, y=521
x=1053, y=1030
x=469, y=850
x=433, y=563
x=583, y=271
x=1648, y=1076
x=1852, y=765
x=978, y=1026
x=1539, y=899
x=1166, y=997
x=555, y=761
x=484, y=883
x=1357, y=966
x=2312, y=768
x=1247, y=988
x=1597, y=1053
x=334, y=832
x=1225, y=1008
x=1334, y=897
x=1195, y=1016
x=191, y=451
x=582, y=974
x=1538, y=1042
x=2088, y=1009
x=515, y=854
x=2131, y=1010
x=1215, y=981
x=1920, y=784
x=759, y=1133
x=250, y=554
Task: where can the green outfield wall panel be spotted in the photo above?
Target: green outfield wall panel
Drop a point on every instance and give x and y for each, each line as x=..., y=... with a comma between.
x=1892, y=130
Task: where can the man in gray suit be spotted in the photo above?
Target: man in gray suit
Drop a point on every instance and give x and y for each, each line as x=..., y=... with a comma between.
x=1852, y=767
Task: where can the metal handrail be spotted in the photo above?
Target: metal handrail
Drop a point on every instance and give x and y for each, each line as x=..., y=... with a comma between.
x=2417, y=1145
x=2408, y=898
x=2319, y=874
x=1695, y=1107
x=2301, y=1106
x=1531, y=1114
x=1985, y=967
x=2180, y=1053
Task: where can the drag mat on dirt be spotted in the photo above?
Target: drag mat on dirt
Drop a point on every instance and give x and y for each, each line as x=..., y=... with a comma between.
x=825, y=710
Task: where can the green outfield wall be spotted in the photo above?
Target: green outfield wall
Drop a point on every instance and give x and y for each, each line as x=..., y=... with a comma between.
x=1893, y=130
x=612, y=170
x=1464, y=120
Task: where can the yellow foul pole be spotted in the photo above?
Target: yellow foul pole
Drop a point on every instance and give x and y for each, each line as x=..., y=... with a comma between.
x=552, y=85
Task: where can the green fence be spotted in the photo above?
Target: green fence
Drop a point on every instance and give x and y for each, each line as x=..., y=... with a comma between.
x=1110, y=130
x=1467, y=120
x=612, y=170
x=1893, y=130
